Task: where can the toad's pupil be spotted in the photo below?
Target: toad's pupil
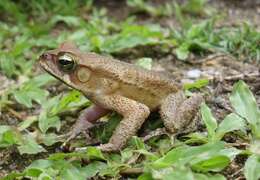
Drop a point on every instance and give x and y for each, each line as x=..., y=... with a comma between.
x=65, y=62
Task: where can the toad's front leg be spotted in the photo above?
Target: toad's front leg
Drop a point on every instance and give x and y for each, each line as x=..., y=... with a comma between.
x=85, y=121
x=134, y=114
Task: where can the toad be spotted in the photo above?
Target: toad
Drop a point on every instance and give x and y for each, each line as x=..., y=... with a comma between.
x=125, y=88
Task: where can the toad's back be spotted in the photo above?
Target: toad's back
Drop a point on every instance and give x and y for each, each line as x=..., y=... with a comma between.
x=135, y=82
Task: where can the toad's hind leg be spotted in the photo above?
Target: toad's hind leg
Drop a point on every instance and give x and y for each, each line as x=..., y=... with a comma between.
x=179, y=113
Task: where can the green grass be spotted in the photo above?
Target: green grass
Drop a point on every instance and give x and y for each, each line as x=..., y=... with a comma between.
x=29, y=29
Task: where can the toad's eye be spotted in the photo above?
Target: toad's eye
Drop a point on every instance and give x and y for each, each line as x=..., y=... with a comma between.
x=66, y=63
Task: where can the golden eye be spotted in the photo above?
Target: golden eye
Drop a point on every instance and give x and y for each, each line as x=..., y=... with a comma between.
x=66, y=63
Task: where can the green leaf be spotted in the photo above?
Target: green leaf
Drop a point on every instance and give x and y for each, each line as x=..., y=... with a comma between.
x=42, y=80
x=209, y=120
x=179, y=172
x=67, y=102
x=69, y=20
x=229, y=152
x=197, y=84
x=72, y=172
x=38, y=168
x=49, y=139
x=94, y=153
x=145, y=63
x=61, y=168
x=245, y=105
x=209, y=177
x=30, y=146
x=46, y=122
x=29, y=92
x=252, y=166
x=9, y=136
x=34, y=172
x=195, y=31
x=37, y=94
x=126, y=154
x=13, y=10
x=215, y=164
x=145, y=176
x=62, y=156
x=45, y=176
x=214, y=160
x=230, y=123
x=254, y=146
x=7, y=65
x=197, y=137
x=138, y=142
x=4, y=129
x=27, y=123
x=103, y=133
x=185, y=154
x=182, y=52
x=92, y=169
x=13, y=176
x=132, y=36
x=23, y=98
x=148, y=155
x=170, y=158
x=195, y=6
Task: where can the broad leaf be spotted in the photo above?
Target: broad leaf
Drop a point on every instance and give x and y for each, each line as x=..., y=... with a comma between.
x=185, y=154
x=209, y=177
x=9, y=136
x=46, y=122
x=30, y=146
x=252, y=167
x=245, y=105
x=209, y=120
x=93, y=168
x=179, y=172
x=216, y=163
x=94, y=153
x=230, y=123
x=197, y=84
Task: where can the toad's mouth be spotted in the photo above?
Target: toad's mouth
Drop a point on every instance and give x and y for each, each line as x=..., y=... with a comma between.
x=51, y=69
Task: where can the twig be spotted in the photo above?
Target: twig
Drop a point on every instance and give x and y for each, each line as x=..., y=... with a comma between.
x=242, y=76
x=238, y=144
x=15, y=113
x=237, y=172
x=236, y=77
x=131, y=171
x=213, y=57
x=155, y=133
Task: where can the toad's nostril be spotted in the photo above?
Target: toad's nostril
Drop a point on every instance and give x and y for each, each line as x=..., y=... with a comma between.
x=46, y=56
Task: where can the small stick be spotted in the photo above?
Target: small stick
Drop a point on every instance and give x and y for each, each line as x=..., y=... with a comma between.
x=15, y=113
x=131, y=171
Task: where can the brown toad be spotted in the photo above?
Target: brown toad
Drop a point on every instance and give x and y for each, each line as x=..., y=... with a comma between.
x=113, y=85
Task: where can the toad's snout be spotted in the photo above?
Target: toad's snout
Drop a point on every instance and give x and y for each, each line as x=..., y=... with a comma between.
x=46, y=56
